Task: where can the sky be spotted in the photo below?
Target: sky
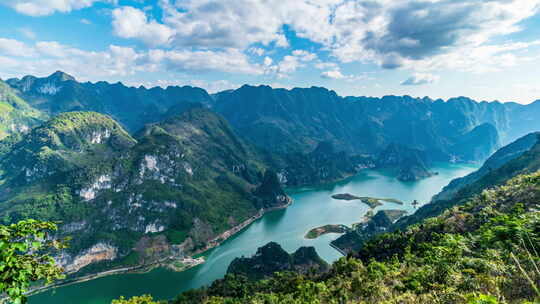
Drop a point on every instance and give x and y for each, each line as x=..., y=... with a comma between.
x=483, y=49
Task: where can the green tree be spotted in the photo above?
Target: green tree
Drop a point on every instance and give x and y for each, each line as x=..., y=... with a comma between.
x=25, y=257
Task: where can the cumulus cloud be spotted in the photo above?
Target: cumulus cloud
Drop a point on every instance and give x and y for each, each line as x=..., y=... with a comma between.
x=129, y=22
x=257, y=51
x=223, y=24
x=334, y=74
x=13, y=47
x=420, y=79
x=481, y=59
x=47, y=7
x=229, y=60
x=289, y=63
x=338, y=75
x=389, y=33
x=45, y=56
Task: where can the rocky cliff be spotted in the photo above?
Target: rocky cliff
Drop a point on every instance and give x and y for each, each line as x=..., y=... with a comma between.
x=126, y=201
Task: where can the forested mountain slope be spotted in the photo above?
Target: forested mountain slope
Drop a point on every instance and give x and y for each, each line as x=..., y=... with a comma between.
x=519, y=157
x=484, y=251
x=171, y=190
x=297, y=120
x=16, y=115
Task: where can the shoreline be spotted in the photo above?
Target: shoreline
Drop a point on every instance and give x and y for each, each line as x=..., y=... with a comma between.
x=338, y=249
x=213, y=243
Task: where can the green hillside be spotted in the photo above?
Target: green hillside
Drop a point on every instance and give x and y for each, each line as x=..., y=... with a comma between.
x=482, y=252
x=16, y=115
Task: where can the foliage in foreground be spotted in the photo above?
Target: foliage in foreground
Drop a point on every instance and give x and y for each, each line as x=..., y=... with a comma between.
x=486, y=251
x=24, y=257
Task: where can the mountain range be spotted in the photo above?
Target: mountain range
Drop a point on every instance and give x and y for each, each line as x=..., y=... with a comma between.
x=139, y=175
x=281, y=120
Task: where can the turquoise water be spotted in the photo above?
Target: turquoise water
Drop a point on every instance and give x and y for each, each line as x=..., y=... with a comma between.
x=312, y=207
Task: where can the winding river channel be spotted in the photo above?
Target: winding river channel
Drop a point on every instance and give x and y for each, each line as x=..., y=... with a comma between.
x=312, y=207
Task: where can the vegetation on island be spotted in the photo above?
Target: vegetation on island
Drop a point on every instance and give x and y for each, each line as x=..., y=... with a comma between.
x=317, y=232
x=372, y=202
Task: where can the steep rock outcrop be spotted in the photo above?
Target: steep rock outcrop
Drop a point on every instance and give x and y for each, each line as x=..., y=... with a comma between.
x=272, y=258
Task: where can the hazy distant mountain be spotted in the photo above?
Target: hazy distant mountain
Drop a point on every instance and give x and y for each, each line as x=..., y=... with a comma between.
x=298, y=119
x=132, y=107
x=519, y=157
x=409, y=164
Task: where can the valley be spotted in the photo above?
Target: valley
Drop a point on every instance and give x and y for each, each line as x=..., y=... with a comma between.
x=311, y=208
x=269, y=152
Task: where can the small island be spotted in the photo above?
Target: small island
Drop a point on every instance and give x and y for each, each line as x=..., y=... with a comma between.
x=372, y=202
x=317, y=232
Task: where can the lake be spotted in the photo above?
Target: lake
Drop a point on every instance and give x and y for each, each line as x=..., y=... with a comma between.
x=312, y=207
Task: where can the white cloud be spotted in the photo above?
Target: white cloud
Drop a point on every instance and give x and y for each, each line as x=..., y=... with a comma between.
x=479, y=59
x=16, y=48
x=326, y=65
x=47, y=7
x=257, y=51
x=334, y=74
x=116, y=61
x=289, y=63
x=223, y=24
x=267, y=61
x=420, y=79
x=337, y=74
x=85, y=21
x=389, y=33
x=129, y=22
x=229, y=61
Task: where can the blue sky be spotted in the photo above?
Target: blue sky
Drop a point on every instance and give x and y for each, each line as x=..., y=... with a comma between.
x=487, y=50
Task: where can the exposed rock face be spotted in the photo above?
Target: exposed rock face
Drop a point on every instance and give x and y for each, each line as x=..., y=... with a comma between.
x=272, y=258
x=102, y=182
x=183, y=182
x=97, y=253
